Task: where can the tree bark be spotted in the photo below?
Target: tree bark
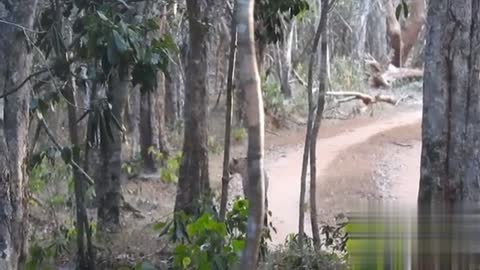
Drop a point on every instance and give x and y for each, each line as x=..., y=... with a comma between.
x=317, y=121
x=163, y=145
x=84, y=248
x=376, y=29
x=15, y=66
x=308, y=135
x=193, y=181
x=249, y=83
x=228, y=115
x=360, y=28
x=286, y=63
x=108, y=187
x=148, y=131
x=450, y=163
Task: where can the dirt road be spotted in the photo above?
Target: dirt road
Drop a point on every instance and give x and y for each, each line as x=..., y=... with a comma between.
x=364, y=163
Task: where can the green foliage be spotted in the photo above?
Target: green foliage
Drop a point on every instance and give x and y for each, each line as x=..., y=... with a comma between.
x=207, y=243
x=239, y=134
x=43, y=253
x=290, y=256
x=46, y=173
x=170, y=172
x=271, y=13
x=347, y=76
x=213, y=145
x=273, y=97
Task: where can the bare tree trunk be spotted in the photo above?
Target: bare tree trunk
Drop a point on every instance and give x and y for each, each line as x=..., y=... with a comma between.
x=148, y=131
x=326, y=5
x=163, y=146
x=108, y=187
x=171, y=97
x=286, y=63
x=451, y=106
x=15, y=66
x=132, y=119
x=85, y=249
x=228, y=115
x=376, y=29
x=249, y=81
x=360, y=28
x=194, y=179
x=321, y=30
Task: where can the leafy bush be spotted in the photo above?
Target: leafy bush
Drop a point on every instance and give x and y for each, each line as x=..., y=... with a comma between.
x=347, y=76
x=239, y=134
x=290, y=256
x=207, y=243
x=170, y=171
x=273, y=97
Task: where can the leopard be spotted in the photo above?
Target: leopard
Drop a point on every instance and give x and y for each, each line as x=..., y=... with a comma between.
x=240, y=166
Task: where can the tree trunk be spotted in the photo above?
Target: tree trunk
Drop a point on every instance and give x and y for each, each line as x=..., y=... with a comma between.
x=286, y=63
x=108, y=187
x=148, y=130
x=84, y=252
x=193, y=181
x=163, y=146
x=171, y=97
x=249, y=83
x=15, y=66
x=450, y=165
x=228, y=115
x=316, y=124
x=132, y=122
x=376, y=29
x=309, y=137
x=359, y=28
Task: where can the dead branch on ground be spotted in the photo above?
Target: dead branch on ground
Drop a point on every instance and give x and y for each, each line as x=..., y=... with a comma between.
x=366, y=99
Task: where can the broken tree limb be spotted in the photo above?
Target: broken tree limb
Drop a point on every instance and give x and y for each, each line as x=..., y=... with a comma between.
x=366, y=99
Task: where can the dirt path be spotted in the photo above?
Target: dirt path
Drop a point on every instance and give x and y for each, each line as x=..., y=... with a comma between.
x=338, y=193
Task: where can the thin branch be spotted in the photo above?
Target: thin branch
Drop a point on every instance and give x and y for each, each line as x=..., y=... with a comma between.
x=16, y=88
x=21, y=27
x=59, y=148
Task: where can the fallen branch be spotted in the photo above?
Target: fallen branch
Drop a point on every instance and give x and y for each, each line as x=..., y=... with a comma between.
x=366, y=99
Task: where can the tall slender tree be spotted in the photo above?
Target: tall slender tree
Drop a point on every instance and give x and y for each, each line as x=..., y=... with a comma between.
x=249, y=83
x=15, y=66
